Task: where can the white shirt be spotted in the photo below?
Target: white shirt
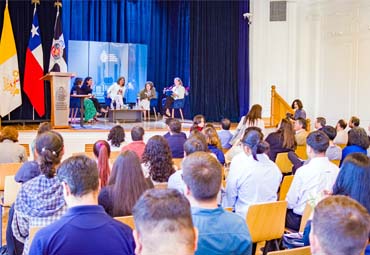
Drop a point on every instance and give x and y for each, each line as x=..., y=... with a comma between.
x=251, y=182
x=179, y=91
x=114, y=89
x=175, y=181
x=310, y=181
x=341, y=137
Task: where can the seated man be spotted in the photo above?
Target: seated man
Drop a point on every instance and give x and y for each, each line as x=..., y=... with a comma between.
x=342, y=135
x=320, y=123
x=163, y=224
x=340, y=226
x=175, y=138
x=85, y=228
x=310, y=180
x=225, y=135
x=137, y=145
x=220, y=231
x=301, y=133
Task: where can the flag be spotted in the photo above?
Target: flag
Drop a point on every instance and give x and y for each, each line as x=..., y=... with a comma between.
x=32, y=85
x=10, y=90
x=57, y=54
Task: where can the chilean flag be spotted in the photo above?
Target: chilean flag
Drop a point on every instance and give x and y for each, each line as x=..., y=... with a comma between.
x=33, y=86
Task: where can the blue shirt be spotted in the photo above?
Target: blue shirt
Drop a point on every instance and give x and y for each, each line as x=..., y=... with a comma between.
x=221, y=232
x=351, y=149
x=84, y=230
x=225, y=137
x=219, y=154
x=176, y=144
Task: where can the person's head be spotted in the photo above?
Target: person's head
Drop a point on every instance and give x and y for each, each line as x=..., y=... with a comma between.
x=164, y=214
x=50, y=150
x=212, y=137
x=354, y=122
x=128, y=182
x=357, y=136
x=330, y=132
x=88, y=81
x=194, y=144
x=149, y=85
x=251, y=142
x=297, y=104
x=116, y=135
x=177, y=81
x=80, y=179
x=202, y=175
x=137, y=133
x=254, y=114
x=341, y=125
x=9, y=133
x=174, y=126
x=157, y=155
x=101, y=151
x=320, y=122
x=317, y=143
x=121, y=81
x=77, y=81
x=299, y=124
x=199, y=120
x=354, y=178
x=43, y=127
x=287, y=132
x=340, y=226
x=225, y=124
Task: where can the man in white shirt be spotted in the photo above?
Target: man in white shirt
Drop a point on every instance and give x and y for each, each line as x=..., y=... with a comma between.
x=310, y=180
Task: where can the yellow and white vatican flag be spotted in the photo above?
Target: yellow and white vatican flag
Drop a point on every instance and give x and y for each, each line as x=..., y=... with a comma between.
x=10, y=90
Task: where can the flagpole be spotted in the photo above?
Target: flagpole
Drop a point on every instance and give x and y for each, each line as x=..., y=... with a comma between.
x=34, y=2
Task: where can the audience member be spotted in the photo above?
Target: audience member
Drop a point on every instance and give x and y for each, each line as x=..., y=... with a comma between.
x=157, y=160
x=252, y=119
x=166, y=135
x=224, y=134
x=220, y=231
x=116, y=137
x=125, y=186
x=310, y=180
x=163, y=224
x=354, y=122
x=253, y=177
x=333, y=152
x=101, y=151
x=85, y=228
x=300, y=128
x=176, y=138
x=10, y=150
x=137, y=145
x=297, y=106
x=40, y=200
x=358, y=141
x=198, y=123
x=43, y=127
x=340, y=226
x=320, y=123
x=342, y=135
x=281, y=140
x=214, y=143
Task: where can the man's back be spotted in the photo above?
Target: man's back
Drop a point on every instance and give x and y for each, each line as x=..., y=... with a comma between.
x=84, y=230
x=176, y=143
x=221, y=232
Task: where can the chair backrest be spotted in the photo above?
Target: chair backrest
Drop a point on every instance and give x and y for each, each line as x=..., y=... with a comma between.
x=342, y=145
x=11, y=189
x=177, y=162
x=88, y=154
x=283, y=162
x=27, y=148
x=229, y=209
x=305, y=216
x=89, y=147
x=8, y=169
x=128, y=220
x=296, y=251
x=266, y=221
x=114, y=155
x=284, y=186
x=162, y=185
x=301, y=152
x=336, y=162
x=32, y=233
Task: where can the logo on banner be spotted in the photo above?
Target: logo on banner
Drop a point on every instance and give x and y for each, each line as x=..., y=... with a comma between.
x=57, y=50
x=10, y=85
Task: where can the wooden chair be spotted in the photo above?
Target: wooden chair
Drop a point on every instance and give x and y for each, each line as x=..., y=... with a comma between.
x=89, y=147
x=162, y=185
x=284, y=186
x=177, y=162
x=301, y=152
x=305, y=217
x=27, y=148
x=229, y=209
x=283, y=162
x=32, y=233
x=88, y=154
x=296, y=251
x=342, y=145
x=114, y=155
x=266, y=221
x=7, y=169
x=128, y=220
x=336, y=161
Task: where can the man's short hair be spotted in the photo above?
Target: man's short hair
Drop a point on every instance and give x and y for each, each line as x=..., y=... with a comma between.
x=175, y=125
x=302, y=122
x=194, y=144
x=355, y=121
x=137, y=133
x=225, y=124
x=342, y=123
x=203, y=175
x=341, y=226
x=321, y=121
x=80, y=173
x=159, y=213
x=318, y=141
x=330, y=131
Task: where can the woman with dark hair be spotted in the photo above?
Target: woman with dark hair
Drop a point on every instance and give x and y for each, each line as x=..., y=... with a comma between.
x=297, y=106
x=358, y=141
x=10, y=150
x=117, y=92
x=126, y=184
x=101, y=151
x=281, y=140
x=87, y=89
x=253, y=177
x=214, y=143
x=40, y=200
x=146, y=95
x=116, y=137
x=198, y=123
x=157, y=160
x=252, y=119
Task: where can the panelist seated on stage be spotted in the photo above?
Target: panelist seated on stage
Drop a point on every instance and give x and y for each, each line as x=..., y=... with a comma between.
x=87, y=89
x=175, y=92
x=116, y=93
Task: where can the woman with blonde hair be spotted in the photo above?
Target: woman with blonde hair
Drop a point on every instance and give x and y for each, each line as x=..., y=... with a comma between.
x=214, y=143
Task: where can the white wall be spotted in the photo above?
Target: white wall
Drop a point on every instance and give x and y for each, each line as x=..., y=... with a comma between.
x=321, y=55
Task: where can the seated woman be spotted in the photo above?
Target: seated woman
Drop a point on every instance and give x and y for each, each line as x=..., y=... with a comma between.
x=116, y=137
x=214, y=143
x=177, y=92
x=358, y=141
x=101, y=151
x=198, y=123
x=10, y=150
x=117, y=92
x=74, y=103
x=86, y=89
x=126, y=184
x=146, y=95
